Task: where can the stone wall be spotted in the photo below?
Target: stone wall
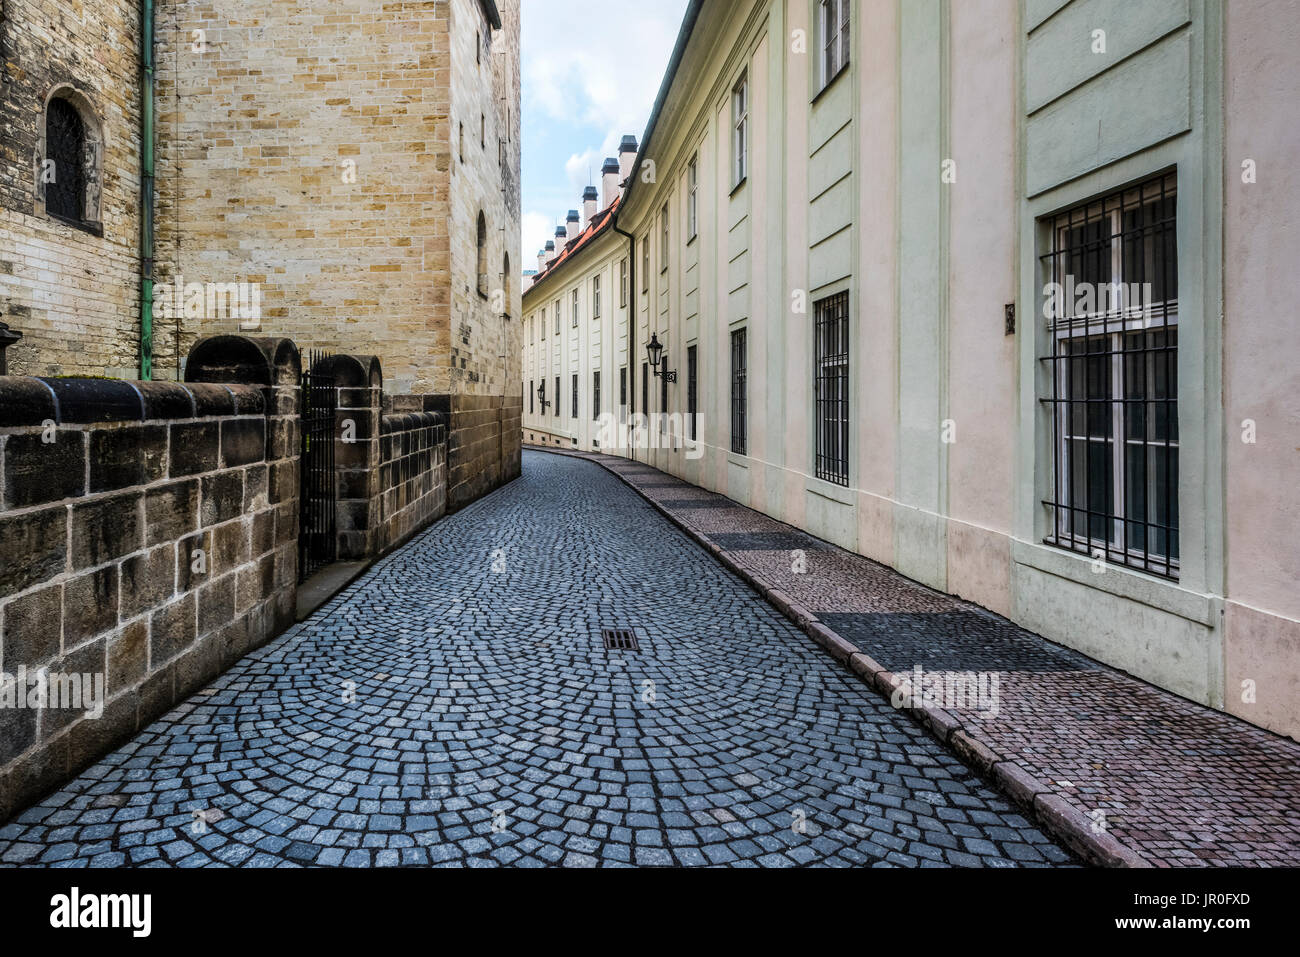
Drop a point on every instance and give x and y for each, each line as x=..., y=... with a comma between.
x=72, y=292
x=412, y=476
x=148, y=536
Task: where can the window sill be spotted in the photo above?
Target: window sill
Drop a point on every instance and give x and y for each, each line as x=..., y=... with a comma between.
x=95, y=229
x=735, y=189
x=691, y=241
x=829, y=83
x=1159, y=593
x=840, y=494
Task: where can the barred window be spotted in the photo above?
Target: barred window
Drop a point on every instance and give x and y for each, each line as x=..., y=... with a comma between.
x=834, y=27
x=69, y=177
x=831, y=376
x=1112, y=314
x=575, y=396
x=557, y=396
x=622, y=389
x=663, y=402
x=692, y=386
x=738, y=396
x=595, y=395
x=645, y=387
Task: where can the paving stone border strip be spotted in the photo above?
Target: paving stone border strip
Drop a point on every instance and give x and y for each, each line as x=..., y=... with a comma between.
x=1032, y=794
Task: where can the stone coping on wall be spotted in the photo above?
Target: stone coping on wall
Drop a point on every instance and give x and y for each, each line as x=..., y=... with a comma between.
x=406, y=421
x=35, y=401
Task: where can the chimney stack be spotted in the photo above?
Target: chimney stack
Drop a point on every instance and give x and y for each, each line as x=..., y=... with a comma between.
x=626, y=157
x=573, y=224
x=609, y=180
x=550, y=251
x=541, y=259
x=589, y=200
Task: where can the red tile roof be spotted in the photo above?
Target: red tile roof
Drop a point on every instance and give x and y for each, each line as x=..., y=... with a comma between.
x=599, y=223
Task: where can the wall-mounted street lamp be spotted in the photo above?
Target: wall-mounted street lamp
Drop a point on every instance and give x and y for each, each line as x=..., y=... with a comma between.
x=541, y=396
x=655, y=353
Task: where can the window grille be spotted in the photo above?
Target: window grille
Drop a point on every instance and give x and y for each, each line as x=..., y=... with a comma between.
x=1112, y=319
x=738, y=396
x=64, y=176
x=831, y=378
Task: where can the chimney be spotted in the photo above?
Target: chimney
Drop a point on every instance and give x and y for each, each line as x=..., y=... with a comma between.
x=550, y=251
x=609, y=180
x=573, y=224
x=626, y=157
x=541, y=259
x=589, y=200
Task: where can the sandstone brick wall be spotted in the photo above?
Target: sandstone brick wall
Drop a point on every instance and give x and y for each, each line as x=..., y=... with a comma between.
x=313, y=148
x=412, y=476
x=73, y=294
x=148, y=534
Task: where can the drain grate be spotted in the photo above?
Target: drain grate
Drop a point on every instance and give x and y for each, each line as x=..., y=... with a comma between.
x=620, y=639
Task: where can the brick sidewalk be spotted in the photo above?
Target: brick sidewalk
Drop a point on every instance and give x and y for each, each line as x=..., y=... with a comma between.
x=1176, y=783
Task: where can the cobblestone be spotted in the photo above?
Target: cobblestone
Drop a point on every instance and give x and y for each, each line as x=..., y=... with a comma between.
x=456, y=706
x=1178, y=783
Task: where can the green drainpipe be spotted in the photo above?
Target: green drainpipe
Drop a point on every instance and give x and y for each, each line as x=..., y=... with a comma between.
x=146, y=190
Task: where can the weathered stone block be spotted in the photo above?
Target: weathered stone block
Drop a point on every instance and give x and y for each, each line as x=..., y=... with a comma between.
x=222, y=497
x=33, y=628
x=195, y=448
x=148, y=580
x=243, y=442
x=76, y=679
x=172, y=629
x=105, y=528
x=216, y=604
x=128, y=656
x=33, y=548
x=194, y=561
x=37, y=471
x=131, y=455
x=171, y=511
x=89, y=605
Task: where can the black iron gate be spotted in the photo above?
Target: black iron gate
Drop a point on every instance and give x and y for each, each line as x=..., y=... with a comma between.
x=317, y=541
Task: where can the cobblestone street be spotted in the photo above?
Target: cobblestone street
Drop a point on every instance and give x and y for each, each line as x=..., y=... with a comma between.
x=456, y=705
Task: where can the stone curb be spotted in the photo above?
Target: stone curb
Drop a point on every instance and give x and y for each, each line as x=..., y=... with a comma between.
x=1033, y=795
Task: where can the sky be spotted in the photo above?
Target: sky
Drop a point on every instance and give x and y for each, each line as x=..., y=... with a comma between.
x=590, y=71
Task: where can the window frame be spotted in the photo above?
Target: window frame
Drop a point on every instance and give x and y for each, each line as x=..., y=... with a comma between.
x=740, y=107
x=664, y=238
x=834, y=36
x=595, y=395
x=692, y=390
x=739, y=340
x=595, y=296
x=622, y=282
x=693, y=199
x=1109, y=369
x=832, y=403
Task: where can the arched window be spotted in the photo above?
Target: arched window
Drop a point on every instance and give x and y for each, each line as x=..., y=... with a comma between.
x=69, y=174
x=482, y=256
x=505, y=284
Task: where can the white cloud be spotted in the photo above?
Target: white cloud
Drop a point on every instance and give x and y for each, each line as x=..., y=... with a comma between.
x=599, y=64
x=537, y=229
x=593, y=70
